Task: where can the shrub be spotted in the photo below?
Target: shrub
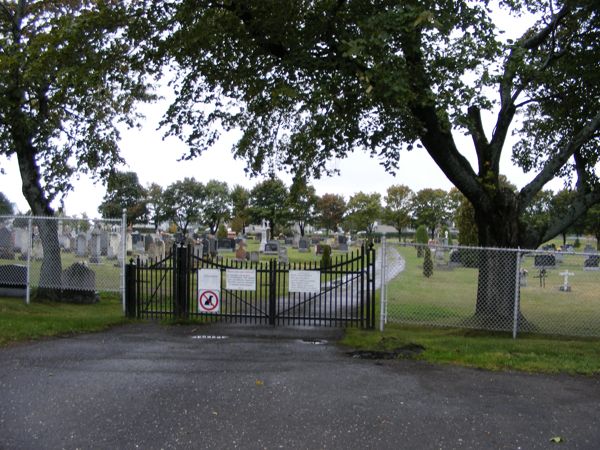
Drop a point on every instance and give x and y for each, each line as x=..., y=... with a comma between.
x=427, y=263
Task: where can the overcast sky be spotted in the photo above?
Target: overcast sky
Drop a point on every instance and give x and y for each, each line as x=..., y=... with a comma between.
x=156, y=161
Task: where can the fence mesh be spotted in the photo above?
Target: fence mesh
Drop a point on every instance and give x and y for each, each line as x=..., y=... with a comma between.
x=546, y=292
x=77, y=258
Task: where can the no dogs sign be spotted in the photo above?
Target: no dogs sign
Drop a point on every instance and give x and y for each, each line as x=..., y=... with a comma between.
x=209, y=301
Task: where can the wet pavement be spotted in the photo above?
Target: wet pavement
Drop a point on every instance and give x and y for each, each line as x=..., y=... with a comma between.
x=149, y=386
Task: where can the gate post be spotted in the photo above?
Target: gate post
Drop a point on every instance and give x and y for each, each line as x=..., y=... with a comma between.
x=272, y=291
x=180, y=297
x=131, y=310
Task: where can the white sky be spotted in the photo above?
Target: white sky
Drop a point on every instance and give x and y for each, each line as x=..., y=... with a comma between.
x=155, y=161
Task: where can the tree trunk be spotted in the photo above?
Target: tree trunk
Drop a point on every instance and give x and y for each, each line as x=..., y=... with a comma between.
x=50, y=285
x=498, y=282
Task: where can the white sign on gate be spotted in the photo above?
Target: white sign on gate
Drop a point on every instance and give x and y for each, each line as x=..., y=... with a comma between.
x=240, y=279
x=209, y=279
x=305, y=281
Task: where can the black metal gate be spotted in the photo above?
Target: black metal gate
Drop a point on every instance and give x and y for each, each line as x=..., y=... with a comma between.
x=169, y=288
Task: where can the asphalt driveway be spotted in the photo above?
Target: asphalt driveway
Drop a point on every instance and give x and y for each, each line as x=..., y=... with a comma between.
x=150, y=387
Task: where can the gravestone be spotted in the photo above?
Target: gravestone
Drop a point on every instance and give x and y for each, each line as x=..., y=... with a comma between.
x=282, y=256
x=114, y=245
x=226, y=244
x=272, y=248
x=65, y=243
x=104, y=236
x=296, y=241
x=566, y=287
x=454, y=258
x=81, y=248
x=79, y=284
x=303, y=244
x=315, y=240
x=545, y=261
x=319, y=249
x=523, y=277
x=592, y=263
x=95, y=246
x=37, y=250
x=342, y=243
x=212, y=247
x=13, y=280
x=7, y=245
x=589, y=249
x=289, y=241
x=148, y=240
x=254, y=256
x=129, y=243
x=240, y=253
x=21, y=240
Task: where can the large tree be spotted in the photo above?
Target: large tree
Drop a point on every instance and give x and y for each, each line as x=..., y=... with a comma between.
x=182, y=203
x=330, y=211
x=67, y=78
x=240, y=200
x=363, y=210
x=6, y=207
x=124, y=191
x=303, y=203
x=268, y=201
x=431, y=208
x=217, y=204
x=308, y=81
x=398, y=206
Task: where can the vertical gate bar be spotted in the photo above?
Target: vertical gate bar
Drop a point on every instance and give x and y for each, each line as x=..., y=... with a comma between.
x=373, y=286
x=517, y=294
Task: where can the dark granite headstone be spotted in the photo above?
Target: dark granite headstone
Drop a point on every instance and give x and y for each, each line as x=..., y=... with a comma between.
x=592, y=262
x=303, y=244
x=272, y=247
x=544, y=261
x=7, y=245
x=79, y=284
x=13, y=280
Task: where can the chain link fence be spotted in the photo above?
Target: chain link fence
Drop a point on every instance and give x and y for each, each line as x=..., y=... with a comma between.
x=62, y=258
x=534, y=291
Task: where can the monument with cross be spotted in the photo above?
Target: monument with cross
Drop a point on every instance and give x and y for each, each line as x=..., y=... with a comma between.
x=566, y=287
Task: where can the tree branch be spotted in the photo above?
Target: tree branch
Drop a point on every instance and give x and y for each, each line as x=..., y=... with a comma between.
x=579, y=206
x=553, y=164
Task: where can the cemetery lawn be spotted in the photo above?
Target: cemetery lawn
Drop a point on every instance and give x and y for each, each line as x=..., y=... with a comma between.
x=486, y=350
x=21, y=322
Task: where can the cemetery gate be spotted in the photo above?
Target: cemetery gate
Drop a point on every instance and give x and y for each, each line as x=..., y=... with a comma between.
x=185, y=285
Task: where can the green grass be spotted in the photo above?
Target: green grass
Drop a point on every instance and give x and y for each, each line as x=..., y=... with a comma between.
x=485, y=350
x=448, y=298
x=21, y=322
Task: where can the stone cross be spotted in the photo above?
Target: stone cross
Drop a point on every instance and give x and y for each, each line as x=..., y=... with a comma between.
x=566, y=274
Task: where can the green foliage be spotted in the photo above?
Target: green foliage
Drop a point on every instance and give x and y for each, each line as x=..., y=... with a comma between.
x=302, y=203
x=421, y=236
x=427, y=263
x=398, y=206
x=240, y=202
x=330, y=210
x=216, y=204
x=124, y=191
x=182, y=202
x=313, y=81
x=69, y=75
x=6, y=207
x=222, y=232
x=430, y=208
x=465, y=223
x=362, y=211
x=268, y=201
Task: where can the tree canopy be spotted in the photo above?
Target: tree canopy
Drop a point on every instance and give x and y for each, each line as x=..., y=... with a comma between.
x=307, y=81
x=124, y=191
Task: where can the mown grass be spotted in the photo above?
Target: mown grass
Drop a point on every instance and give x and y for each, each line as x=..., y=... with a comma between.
x=21, y=322
x=486, y=350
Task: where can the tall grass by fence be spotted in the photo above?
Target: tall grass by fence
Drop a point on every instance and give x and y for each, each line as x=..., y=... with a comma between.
x=545, y=292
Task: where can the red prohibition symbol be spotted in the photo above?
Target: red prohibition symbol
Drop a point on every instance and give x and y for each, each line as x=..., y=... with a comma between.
x=209, y=300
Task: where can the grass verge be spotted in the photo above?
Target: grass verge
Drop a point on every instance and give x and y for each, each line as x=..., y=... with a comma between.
x=485, y=350
x=21, y=322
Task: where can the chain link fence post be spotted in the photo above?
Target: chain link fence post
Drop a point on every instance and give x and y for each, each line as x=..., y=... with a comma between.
x=29, y=250
x=382, y=289
x=123, y=257
x=517, y=294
